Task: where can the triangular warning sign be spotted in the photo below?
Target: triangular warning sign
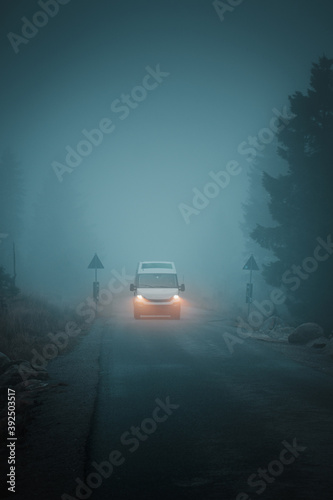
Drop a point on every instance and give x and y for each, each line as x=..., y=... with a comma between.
x=95, y=263
x=251, y=265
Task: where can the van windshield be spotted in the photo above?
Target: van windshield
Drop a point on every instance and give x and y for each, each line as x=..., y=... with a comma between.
x=154, y=280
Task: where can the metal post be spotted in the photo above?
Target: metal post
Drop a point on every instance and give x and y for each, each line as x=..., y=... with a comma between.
x=95, y=290
x=250, y=298
x=250, y=265
x=14, y=265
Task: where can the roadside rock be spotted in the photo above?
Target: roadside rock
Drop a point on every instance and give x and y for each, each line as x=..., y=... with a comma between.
x=320, y=343
x=305, y=333
x=19, y=371
x=11, y=376
x=328, y=350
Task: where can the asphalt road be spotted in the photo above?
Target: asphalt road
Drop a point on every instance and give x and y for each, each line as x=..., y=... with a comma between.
x=178, y=415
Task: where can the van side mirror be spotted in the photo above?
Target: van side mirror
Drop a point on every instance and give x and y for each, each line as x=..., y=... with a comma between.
x=182, y=288
x=132, y=287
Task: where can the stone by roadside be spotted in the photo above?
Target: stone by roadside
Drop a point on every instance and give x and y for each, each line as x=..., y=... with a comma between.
x=52, y=453
x=304, y=344
x=316, y=351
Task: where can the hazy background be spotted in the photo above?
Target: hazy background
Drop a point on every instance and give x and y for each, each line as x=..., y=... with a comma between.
x=123, y=200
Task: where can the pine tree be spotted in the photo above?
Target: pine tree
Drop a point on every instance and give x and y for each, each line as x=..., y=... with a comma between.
x=301, y=202
x=255, y=207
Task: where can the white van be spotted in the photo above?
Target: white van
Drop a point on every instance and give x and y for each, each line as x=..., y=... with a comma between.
x=156, y=290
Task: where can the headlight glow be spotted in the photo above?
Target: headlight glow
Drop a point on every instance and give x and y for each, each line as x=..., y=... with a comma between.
x=176, y=297
x=139, y=297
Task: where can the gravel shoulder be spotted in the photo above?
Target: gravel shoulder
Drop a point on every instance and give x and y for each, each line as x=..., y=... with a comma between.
x=309, y=356
x=53, y=452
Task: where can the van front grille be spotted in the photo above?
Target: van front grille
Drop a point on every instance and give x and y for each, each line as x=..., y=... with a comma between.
x=159, y=300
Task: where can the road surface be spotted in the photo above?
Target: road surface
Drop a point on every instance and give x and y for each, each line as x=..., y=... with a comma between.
x=179, y=414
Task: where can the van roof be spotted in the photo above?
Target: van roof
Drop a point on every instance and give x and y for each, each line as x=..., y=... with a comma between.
x=156, y=266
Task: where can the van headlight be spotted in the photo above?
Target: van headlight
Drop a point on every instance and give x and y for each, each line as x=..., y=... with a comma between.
x=176, y=297
x=139, y=297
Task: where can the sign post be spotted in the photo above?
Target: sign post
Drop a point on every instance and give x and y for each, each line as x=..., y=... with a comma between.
x=250, y=265
x=14, y=265
x=95, y=264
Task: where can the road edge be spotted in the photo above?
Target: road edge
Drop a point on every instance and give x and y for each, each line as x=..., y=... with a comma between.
x=53, y=452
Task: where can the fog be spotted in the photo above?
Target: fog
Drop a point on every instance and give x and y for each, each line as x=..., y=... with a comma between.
x=201, y=85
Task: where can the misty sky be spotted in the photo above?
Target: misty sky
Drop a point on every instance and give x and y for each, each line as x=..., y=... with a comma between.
x=224, y=79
